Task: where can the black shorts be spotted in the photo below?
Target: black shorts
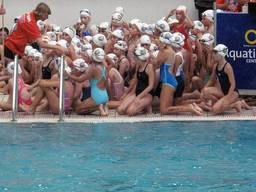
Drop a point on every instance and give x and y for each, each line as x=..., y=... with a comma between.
x=8, y=53
x=180, y=87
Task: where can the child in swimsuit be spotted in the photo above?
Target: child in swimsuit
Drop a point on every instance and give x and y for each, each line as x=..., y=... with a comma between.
x=225, y=96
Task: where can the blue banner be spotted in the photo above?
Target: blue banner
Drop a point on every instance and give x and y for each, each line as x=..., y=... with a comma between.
x=238, y=32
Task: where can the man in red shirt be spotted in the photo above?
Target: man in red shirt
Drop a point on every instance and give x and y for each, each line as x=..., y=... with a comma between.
x=28, y=32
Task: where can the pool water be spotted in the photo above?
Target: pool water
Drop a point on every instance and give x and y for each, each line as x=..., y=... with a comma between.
x=141, y=157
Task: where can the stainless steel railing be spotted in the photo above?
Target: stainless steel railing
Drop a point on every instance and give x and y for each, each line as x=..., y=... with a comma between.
x=61, y=92
x=15, y=90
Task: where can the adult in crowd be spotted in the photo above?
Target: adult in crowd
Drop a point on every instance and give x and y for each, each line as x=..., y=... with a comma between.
x=27, y=32
x=231, y=5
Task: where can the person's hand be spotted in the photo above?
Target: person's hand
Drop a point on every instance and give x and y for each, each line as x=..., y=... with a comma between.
x=34, y=85
x=62, y=50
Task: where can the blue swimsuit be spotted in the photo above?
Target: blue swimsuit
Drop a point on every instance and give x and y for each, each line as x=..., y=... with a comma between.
x=167, y=78
x=100, y=96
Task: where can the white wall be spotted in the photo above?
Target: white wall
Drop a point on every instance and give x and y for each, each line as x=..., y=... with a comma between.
x=66, y=12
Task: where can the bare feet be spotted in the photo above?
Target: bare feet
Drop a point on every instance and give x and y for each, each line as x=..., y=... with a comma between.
x=238, y=106
x=205, y=107
x=196, y=109
x=245, y=105
x=102, y=110
x=27, y=108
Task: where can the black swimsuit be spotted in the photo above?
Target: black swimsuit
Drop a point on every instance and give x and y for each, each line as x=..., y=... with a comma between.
x=46, y=71
x=223, y=80
x=142, y=83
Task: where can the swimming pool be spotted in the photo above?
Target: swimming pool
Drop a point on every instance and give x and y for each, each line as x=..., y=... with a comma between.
x=186, y=157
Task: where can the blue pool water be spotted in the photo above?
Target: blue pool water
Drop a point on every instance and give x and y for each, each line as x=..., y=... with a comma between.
x=141, y=157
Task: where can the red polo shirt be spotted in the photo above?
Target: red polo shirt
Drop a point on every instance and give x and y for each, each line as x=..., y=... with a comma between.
x=26, y=32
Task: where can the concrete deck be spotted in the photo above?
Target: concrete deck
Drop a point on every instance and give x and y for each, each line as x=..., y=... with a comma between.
x=113, y=117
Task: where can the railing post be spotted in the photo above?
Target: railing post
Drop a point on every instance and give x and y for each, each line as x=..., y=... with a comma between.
x=15, y=90
x=215, y=23
x=61, y=92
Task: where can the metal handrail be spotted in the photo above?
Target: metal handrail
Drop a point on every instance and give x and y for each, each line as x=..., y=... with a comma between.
x=15, y=90
x=61, y=92
x=215, y=23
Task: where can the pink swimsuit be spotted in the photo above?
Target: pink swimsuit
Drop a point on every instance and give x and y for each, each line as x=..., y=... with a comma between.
x=21, y=87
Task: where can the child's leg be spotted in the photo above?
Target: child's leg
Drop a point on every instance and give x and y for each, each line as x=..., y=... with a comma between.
x=225, y=103
x=102, y=110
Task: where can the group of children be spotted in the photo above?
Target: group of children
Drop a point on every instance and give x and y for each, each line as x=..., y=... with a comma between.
x=171, y=66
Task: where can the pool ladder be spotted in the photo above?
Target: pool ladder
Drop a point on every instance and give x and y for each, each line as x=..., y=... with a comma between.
x=15, y=90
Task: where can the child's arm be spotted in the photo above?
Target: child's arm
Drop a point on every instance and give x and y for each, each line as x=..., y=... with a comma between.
x=87, y=75
x=212, y=79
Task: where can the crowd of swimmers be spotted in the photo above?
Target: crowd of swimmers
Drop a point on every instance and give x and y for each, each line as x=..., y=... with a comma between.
x=171, y=66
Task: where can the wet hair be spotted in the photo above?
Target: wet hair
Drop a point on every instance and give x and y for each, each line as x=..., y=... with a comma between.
x=41, y=9
x=5, y=29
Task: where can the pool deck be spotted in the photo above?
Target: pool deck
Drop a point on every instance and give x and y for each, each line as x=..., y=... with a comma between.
x=113, y=117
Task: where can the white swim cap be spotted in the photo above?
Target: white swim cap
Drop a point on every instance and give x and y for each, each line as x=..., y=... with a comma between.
x=70, y=31
x=221, y=49
x=172, y=21
x=144, y=28
x=99, y=39
x=103, y=25
x=89, y=52
x=86, y=47
x=85, y=13
x=165, y=38
x=39, y=56
x=51, y=35
x=153, y=47
x=177, y=40
x=145, y=39
x=121, y=45
x=162, y=26
x=199, y=26
x=63, y=43
x=207, y=39
x=142, y=53
x=76, y=42
x=27, y=49
x=88, y=38
x=32, y=52
x=182, y=8
x=98, y=55
x=117, y=18
x=80, y=65
x=192, y=36
x=209, y=14
x=118, y=33
x=10, y=68
x=134, y=21
x=119, y=10
x=56, y=28
x=113, y=57
x=41, y=25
